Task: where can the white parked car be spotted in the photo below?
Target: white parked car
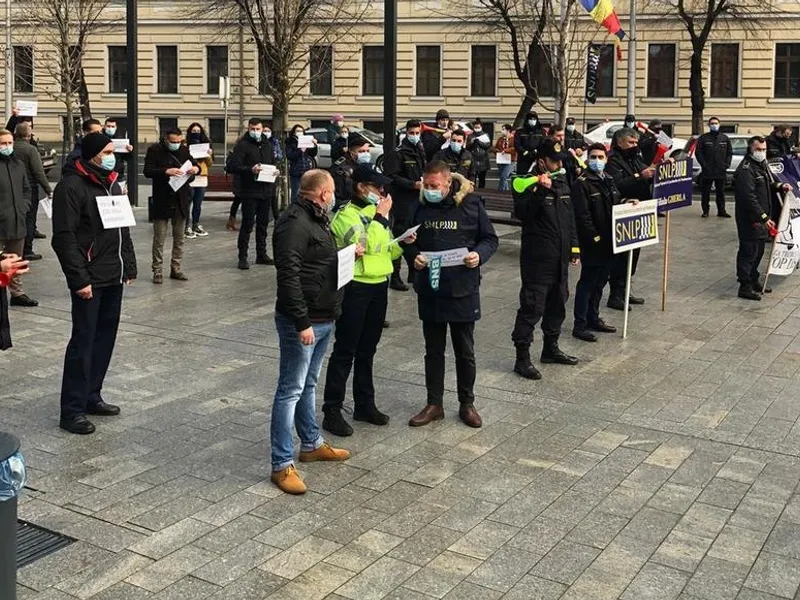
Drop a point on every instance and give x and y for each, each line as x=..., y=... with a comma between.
x=605, y=131
x=324, y=145
x=739, y=143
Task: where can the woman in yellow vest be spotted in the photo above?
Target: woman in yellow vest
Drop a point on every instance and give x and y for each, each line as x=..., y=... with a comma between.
x=363, y=221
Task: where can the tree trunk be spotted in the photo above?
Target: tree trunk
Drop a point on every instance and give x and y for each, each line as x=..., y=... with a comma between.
x=528, y=102
x=83, y=96
x=696, y=90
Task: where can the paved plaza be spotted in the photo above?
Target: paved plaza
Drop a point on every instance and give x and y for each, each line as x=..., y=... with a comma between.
x=664, y=466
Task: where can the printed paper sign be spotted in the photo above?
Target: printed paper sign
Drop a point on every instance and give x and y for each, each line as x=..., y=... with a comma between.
x=672, y=184
x=115, y=212
x=121, y=145
x=305, y=141
x=450, y=258
x=347, y=265
x=635, y=225
x=199, y=181
x=663, y=139
x=785, y=251
x=27, y=108
x=47, y=205
x=176, y=182
x=407, y=234
x=503, y=158
x=267, y=174
x=200, y=150
x=484, y=138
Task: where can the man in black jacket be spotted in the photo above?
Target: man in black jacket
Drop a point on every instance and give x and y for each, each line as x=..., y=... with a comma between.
x=97, y=260
x=111, y=130
x=404, y=166
x=779, y=142
x=15, y=194
x=754, y=187
x=451, y=218
x=342, y=170
x=549, y=244
x=634, y=181
x=432, y=141
x=28, y=153
x=594, y=195
x=714, y=153
x=478, y=144
x=526, y=141
x=162, y=162
x=247, y=160
x=573, y=139
x=457, y=157
x=307, y=306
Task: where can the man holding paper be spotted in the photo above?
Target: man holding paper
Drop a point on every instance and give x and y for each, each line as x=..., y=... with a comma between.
x=452, y=221
x=364, y=221
x=122, y=146
x=170, y=167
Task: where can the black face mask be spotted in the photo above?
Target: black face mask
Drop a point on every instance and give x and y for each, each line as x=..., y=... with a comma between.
x=656, y=130
x=631, y=152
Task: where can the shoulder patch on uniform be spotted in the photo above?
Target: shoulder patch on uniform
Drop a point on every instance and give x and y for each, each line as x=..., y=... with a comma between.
x=745, y=164
x=340, y=161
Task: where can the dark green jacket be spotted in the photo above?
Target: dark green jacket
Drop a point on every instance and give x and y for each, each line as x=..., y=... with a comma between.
x=15, y=194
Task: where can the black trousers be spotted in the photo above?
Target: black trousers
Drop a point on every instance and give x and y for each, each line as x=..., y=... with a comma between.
x=588, y=294
x=94, y=333
x=254, y=212
x=480, y=179
x=235, y=207
x=747, y=260
x=545, y=302
x=719, y=186
x=399, y=227
x=619, y=274
x=30, y=219
x=358, y=332
x=463, y=337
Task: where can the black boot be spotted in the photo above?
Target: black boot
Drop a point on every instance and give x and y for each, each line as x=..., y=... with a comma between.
x=523, y=366
x=370, y=414
x=748, y=293
x=334, y=423
x=396, y=283
x=552, y=354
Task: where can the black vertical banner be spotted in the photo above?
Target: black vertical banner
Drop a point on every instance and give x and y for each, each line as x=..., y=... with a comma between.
x=592, y=63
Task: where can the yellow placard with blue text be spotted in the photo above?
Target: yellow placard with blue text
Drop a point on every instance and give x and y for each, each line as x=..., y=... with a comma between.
x=635, y=225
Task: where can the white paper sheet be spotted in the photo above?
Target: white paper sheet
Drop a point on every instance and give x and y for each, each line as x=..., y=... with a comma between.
x=115, y=211
x=450, y=258
x=664, y=139
x=484, y=138
x=121, y=145
x=199, y=150
x=176, y=182
x=305, y=141
x=268, y=173
x=347, y=265
x=199, y=181
x=503, y=158
x=47, y=206
x=27, y=108
x=407, y=234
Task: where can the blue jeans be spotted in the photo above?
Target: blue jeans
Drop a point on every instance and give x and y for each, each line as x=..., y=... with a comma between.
x=295, y=397
x=505, y=173
x=295, y=181
x=198, y=194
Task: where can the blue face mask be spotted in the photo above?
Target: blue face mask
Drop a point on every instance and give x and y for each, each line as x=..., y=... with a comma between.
x=373, y=198
x=256, y=135
x=108, y=162
x=597, y=165
x=456, y=147
x=364, y=158
x=111, y=131
x=413, y=139
x=173, y=146
x=432, y=196
x=714, y=128
x=7, y=151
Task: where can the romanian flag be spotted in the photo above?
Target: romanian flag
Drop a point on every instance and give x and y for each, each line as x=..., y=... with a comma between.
x=602, y=12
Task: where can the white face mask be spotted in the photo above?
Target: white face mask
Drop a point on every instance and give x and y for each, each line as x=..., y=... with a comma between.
x=570, y=128
x=759, y=156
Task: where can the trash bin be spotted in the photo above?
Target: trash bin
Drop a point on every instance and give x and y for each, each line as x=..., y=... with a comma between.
x=12, y=478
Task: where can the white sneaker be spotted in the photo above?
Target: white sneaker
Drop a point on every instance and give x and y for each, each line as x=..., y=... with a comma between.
x=189, y=234
x=199, y=231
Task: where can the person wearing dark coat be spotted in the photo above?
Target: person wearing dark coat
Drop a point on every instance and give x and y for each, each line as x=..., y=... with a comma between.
x=594, y=195
x=549, y=244
x=301, y=160
x=15, y=195
x=432, y=141
x=457, y=157
x=526, y=141
x=96, y=262
x=162, y=162
x=87, y=127
x=779, y=142
x=478, y=143
x=648, y=141
x=111, y=130
x=634, y=180
x=573, y=139
x=25, y=151
x=451, y=218
x=714, y=153
x=339, y=144
x=358, y=153
x=404, y=166
x=9, y=264
x=754, y=188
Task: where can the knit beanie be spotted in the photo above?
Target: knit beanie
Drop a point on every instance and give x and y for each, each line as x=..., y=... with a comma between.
x=93, y=144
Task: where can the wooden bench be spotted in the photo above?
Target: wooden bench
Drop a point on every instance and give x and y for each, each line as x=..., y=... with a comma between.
x=220, y=187
x=500, y=206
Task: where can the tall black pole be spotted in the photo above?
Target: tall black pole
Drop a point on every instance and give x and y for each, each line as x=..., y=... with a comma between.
x=133, y=104
x=389, y=74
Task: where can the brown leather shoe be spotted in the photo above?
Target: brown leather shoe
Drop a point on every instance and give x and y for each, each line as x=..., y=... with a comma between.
x=324, y=452
x=431, y=412
x=289, y=481
x=469, y=416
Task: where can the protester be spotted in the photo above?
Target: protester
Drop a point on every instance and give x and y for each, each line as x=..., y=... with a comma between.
x=648, y=141
x=451, y=217
x=342, y=170
x=9, y=263
x=573, y=139
x=404, y=165
x=163, y=161
x=15, y=194
x=505, y=146
x=630, y=122
x=252, y=153
x=197, y=135
x=433, y=140
x=30, y=157
x=478, y=144
x=339, y=145
x=111, y=130
x=593, y=196
x=96, y=262
x=364, y=222
x=457, y=157
x=569, y=162
x=549, y=244
x=301, y=160
x=526, y=140
x=307, y=305
x=634, y=181
x=754, y=186
x=334, y=128
x=714, y=153
x=779, y=142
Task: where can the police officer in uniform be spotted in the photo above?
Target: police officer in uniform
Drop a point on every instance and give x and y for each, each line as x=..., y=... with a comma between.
x=451, y=217
x=714, y=153
x=457, y=157
x=754, y=187
x=432, y=141
x=342, y=170
x=549, y=244
x=573, y=139
x=594, y=195
x=404, y=166
x=526, y=140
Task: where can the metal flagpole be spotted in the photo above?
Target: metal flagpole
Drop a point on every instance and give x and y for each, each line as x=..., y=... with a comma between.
x=631, y=99
x=133, y=103
x=666, y=264
x=627, y=295
x=9, y=62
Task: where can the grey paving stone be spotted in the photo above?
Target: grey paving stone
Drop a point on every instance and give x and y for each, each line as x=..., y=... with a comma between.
x=704, y=520
x=724, y=493
x=232, y=534
x=256, y=585
x=682, y=550
x=775, y=574
x=675, y=498
x=739, y=545
x=565, y=562
x=484, y=539
x=235, y=563
x=188, y=588
x=363, y=551
x=119, y=591
x=302, y=556
x=289, y=531
x=172, y=538
x=442, y=574
x=346, y=528
x=656, y=582
x=425, y=545
x=171, y=568
x=597, y=529
x=60, y=566
x=717, y=579
x=505, y=567
x=102, y=575
x=315, y=584
x=378, y=580
x=535, y=588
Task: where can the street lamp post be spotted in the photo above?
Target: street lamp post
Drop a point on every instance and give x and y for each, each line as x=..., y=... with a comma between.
x=389, y=74
x=133, y=102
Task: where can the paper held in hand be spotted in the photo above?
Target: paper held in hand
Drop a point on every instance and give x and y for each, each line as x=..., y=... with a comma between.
x=47, y=205
x=268, y=173
x=121, y=145
x=199, y=181
x=115, y=212
x=503, y=158
x=305, y=141
x=347, y=266
x=450, y=258
x=407, y=234
x=27, y=108
x=199, y=150
x=664, y=139
x=176, y=182
x=484, y=138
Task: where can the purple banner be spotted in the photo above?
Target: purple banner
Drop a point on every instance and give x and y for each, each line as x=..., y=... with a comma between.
x=787, y=170
x=672, y=184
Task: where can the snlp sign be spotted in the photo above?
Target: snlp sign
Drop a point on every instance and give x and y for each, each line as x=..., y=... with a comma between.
x=635, y=225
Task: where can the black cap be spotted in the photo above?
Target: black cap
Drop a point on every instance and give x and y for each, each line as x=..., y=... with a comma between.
x=532, y=115
x=630, y=118
x=551, y=149
x=368, y=174
x=356, y=139
x=93, y=144
x=442, y=114
x=570, y=120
